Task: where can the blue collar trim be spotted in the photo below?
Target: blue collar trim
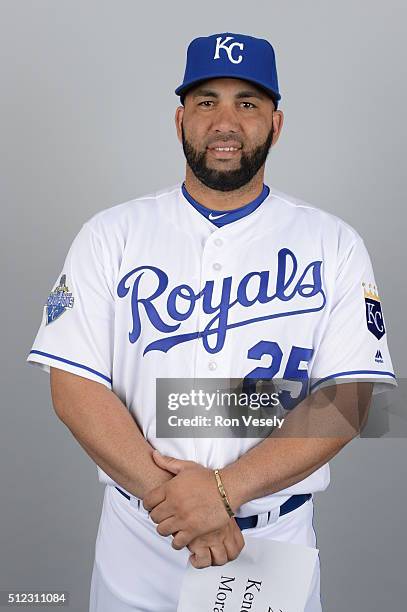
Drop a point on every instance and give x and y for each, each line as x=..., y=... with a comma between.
x=220, y=218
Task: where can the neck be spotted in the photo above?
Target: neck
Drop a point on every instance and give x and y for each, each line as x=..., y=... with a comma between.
x=223, y=200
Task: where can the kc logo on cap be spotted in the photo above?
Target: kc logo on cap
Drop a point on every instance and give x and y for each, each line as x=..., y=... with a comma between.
x=231, y=55
x=229, y=49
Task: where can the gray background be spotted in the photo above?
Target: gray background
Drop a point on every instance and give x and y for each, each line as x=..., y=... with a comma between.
x=87, y=109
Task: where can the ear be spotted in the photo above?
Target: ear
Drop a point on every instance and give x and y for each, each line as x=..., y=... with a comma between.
x=278, y=120
x=179, y=113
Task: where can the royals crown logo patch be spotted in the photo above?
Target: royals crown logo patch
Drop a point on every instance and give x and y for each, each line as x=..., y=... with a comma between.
x=374, y=315
x=58, y=301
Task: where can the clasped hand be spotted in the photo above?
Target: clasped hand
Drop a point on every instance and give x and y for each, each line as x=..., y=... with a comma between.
x=190, y=508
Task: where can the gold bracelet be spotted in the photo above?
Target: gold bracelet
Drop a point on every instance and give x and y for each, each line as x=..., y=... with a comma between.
x=223, y=493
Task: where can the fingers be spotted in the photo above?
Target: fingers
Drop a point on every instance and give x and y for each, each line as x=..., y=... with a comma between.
x=201, y=558
x=212, y=555
x=168, y=463
x=219, y=554
x=154, y=497
x=168, y=527
x=217, y=547
x=181, y=539
x=160, y=513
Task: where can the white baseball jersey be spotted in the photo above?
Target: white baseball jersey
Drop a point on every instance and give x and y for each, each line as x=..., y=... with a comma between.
x=151, y=288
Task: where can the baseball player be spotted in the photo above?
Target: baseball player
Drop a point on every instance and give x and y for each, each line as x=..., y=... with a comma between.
x=218, y=276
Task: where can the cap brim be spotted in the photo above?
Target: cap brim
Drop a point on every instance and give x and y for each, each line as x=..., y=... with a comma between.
x=185, y=87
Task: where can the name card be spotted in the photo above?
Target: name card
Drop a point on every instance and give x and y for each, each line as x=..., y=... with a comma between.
x=268, y=576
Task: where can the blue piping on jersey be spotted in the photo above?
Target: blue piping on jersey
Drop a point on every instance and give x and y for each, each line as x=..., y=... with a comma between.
x=351, y=372
x=78, y=365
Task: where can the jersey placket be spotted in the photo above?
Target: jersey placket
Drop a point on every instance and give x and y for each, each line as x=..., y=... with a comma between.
x=210, y=364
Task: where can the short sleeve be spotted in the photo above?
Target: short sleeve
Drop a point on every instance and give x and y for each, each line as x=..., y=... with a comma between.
x=76, y=331
x=354, y=342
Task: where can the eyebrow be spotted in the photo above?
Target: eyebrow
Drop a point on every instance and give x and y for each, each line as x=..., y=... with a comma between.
x=209, y=93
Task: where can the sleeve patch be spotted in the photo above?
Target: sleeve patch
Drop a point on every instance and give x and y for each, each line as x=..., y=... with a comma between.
x=58, y=301
x=374, y=315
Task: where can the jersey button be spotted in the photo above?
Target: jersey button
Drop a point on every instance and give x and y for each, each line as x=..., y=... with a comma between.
x=217, y=266
x=218, y=241
x=212, y=365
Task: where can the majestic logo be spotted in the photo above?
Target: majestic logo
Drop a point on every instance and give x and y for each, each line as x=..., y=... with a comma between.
x=181, y=300
x=374, y=315
x=228, y=48
x=378, y=357
x=58, y=301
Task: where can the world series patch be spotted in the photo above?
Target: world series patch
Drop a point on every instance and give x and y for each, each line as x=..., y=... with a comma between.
x=374, y=315
x=59, y=300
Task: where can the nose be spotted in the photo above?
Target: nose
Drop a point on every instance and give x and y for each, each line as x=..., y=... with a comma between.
x=225, y=119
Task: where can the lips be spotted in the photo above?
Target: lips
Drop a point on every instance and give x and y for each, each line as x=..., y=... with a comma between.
x=225, y=145
x=224, y=150
x=224, y=153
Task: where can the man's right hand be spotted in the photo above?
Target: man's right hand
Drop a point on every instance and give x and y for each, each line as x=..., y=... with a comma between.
x=217, y=547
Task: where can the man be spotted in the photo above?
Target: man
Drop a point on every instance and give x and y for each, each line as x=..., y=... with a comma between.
x=219, y=277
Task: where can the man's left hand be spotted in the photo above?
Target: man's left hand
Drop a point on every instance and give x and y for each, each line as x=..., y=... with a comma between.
x=189, y=505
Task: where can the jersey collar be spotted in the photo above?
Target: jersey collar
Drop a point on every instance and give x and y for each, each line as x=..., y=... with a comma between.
x=221, y=218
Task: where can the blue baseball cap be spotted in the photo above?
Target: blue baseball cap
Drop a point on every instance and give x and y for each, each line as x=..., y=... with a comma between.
x=231, y=55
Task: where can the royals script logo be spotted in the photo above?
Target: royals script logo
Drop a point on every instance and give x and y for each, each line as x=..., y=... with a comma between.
x=222, y=45
x=181, y=301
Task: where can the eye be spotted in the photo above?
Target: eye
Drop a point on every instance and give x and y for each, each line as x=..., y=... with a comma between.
x=251, y=104
x=205, y=102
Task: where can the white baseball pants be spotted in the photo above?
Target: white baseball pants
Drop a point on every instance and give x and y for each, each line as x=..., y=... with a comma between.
x=137, y=570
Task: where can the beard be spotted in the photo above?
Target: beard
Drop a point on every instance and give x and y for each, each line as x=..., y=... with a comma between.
x=226, y=180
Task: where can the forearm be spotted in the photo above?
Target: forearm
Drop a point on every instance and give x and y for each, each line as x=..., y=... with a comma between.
x=274, y=465
x=106, y=430
x=311, y=435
